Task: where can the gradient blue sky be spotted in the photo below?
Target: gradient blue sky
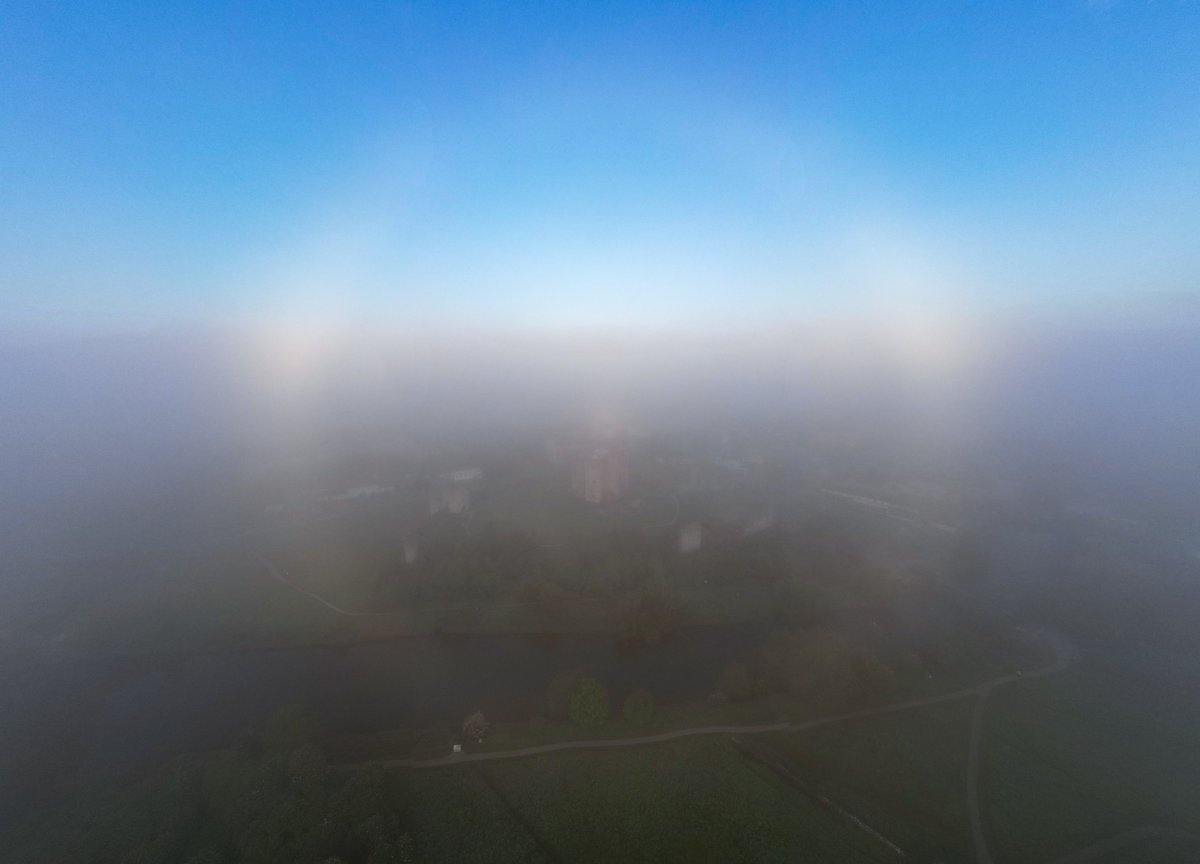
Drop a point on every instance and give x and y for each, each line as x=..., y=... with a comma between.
x=549, y=163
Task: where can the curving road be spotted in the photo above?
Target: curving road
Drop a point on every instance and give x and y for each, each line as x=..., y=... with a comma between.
x=1063, y=659
x=1065, y=654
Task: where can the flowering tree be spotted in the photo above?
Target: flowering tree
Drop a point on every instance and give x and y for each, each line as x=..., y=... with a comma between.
x=475, y=726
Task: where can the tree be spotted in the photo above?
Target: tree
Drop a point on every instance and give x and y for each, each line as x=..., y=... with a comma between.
x=589, y=703
x=558, y=694
x=306, y=768
x=475, y=726
x=291, y=727
x=363, y=795
x=652, y=615
x=376, y=829
x=208, y=855
x=399, y=852
x=819, y=666
x=638, y=707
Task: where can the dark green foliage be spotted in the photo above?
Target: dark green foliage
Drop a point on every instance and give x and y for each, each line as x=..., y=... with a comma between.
x=823, y=668
x=306, y=768
x=652, y=615
x=638, y=707
x=256, y=806
x=618, y=561
x=589, y=703
x=558, y=694
x=489, y=565
x=397, y=852
x=290, y=728
x=207, y=856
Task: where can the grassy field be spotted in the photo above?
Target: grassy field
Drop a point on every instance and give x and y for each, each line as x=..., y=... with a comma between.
x=903, y=774
x=697, y=800
x=1088, y=754
x=219, y=599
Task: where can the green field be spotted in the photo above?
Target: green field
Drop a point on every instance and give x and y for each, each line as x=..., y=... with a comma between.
x=687, y=801
x=903, y=774
x=1088, y=754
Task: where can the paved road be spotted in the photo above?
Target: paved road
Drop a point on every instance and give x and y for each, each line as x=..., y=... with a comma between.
x=1061, y=662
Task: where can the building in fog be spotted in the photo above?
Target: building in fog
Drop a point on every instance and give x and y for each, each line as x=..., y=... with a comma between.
x=758, y=521
x=691, y=536
x=600, y=475
x=412, y=546
x=451, y=492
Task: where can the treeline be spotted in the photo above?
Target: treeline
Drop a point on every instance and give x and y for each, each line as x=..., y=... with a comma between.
x=818, y=666
x=271, y=798
x=813, y=568
x=574, y=696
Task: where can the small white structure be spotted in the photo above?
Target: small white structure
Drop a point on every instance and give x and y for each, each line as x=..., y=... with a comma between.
x=690, y=537
x=759, y=522
x=457, y=748
x=371, y=491
x=412, y=548
x=449, y=499
x=451, y=492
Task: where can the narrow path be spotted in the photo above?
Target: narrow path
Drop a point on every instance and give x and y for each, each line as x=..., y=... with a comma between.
x=1098, y=850
x=276, y=574
x=519, y=817
x=765, y=755
x=279, y=576
x=643, y=740
x=1065, y=654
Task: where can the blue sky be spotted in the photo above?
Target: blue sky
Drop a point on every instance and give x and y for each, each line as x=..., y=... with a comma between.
x=551, y=163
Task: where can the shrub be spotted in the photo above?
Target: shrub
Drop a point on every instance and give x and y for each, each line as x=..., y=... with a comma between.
x=589, y=703
x=475, y=726
x=639, y=707
x=559, y=693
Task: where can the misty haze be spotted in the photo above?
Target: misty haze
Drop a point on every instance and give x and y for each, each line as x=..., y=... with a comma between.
x=649, y=433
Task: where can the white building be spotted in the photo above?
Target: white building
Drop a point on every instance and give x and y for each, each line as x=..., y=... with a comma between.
x=691, y=536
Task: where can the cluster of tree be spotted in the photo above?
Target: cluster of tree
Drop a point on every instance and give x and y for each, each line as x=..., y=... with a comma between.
x=828, y=551
x=651, y=614
x=271, y=798
x=583, y=701
x=619, y=561
x=761, y=558
x=816, y=665
x=814, y=566
x=622, y=567
x=457, y=565
x=819, y=562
